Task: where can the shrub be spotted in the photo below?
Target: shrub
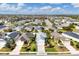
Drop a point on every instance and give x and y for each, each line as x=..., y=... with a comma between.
x=71, y=43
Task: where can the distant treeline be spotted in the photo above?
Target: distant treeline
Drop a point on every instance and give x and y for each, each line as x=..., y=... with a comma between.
x=74, y=17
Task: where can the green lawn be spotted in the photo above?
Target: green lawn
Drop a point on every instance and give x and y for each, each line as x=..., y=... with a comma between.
x=74, y=43
x=53, y=46
x=5, y=49
x=51, y=50
x=31, y=48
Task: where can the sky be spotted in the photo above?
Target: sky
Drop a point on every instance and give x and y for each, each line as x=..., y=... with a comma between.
x=39, y=8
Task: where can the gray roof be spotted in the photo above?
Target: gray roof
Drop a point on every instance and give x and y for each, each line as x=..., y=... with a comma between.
x=1, y=26
x=37, y=27
x=13, y=34
x=72, y=34
x=22, y=38
x=29, y=34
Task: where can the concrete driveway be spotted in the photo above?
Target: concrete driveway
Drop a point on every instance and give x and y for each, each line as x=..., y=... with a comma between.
x=18, y=47
x=40, y=42
x=2, y=44
x=70, y=48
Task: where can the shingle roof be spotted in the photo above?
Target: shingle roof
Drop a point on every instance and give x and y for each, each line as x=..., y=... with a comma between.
x=29, y=34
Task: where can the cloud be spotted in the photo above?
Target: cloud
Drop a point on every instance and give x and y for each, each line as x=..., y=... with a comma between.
x=49, y=8
x=57, y=9
x=22, y=8
x=20, y=4
x=46, y=8
x=40, y=10
x=5, y=6
x=75, y=4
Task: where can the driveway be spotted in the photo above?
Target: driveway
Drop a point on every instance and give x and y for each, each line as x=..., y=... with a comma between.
x=18, y=47
x=70, y=48
x=2, y=44
x=40, y=41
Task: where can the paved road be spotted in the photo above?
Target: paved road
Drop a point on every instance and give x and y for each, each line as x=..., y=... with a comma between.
x=48, y=23
x=17, y=49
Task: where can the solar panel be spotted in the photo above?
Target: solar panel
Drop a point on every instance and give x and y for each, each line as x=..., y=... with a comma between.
x=72, y=34
x=1, y=26
x=13, y=35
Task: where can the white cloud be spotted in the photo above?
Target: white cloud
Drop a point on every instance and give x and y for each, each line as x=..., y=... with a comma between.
x=5, y=6
x=29, y=10
x=49, y=8
x=46, y=8
x=75, y=4
x=20, y=4
x=57, y=9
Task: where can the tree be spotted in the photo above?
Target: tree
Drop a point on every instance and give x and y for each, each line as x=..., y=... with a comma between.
x=1, y=23
x=71, y=26
x=77, y=45
x=7, y=30
x=71, y=43
x=43, y=23
x=10, y=43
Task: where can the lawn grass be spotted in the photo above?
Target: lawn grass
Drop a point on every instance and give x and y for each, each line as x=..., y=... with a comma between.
x=31, y=48
x=55, y=47
x=27, y=54
x=51, y=50
x=4, y=53
x=5, y=49
x=61, y=30
x=74, y=44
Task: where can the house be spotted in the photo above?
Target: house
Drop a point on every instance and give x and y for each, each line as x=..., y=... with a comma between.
x=26, y=36
x=23, y=37
x=71, y=35
x=37, y=21
x=2, y=35
x=18, y=28
x=28, y=28
x=12, y=35
x=55, y=35
x=2, y=27
x=30, y=34
x=38, y=27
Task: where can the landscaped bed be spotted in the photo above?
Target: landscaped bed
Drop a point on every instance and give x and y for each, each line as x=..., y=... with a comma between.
x=8, y=47
x=5, y=49
x=29, y=48
x=74, y=44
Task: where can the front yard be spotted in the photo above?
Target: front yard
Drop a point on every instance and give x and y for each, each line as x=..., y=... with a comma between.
x=75, y=44
x=54, y=46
